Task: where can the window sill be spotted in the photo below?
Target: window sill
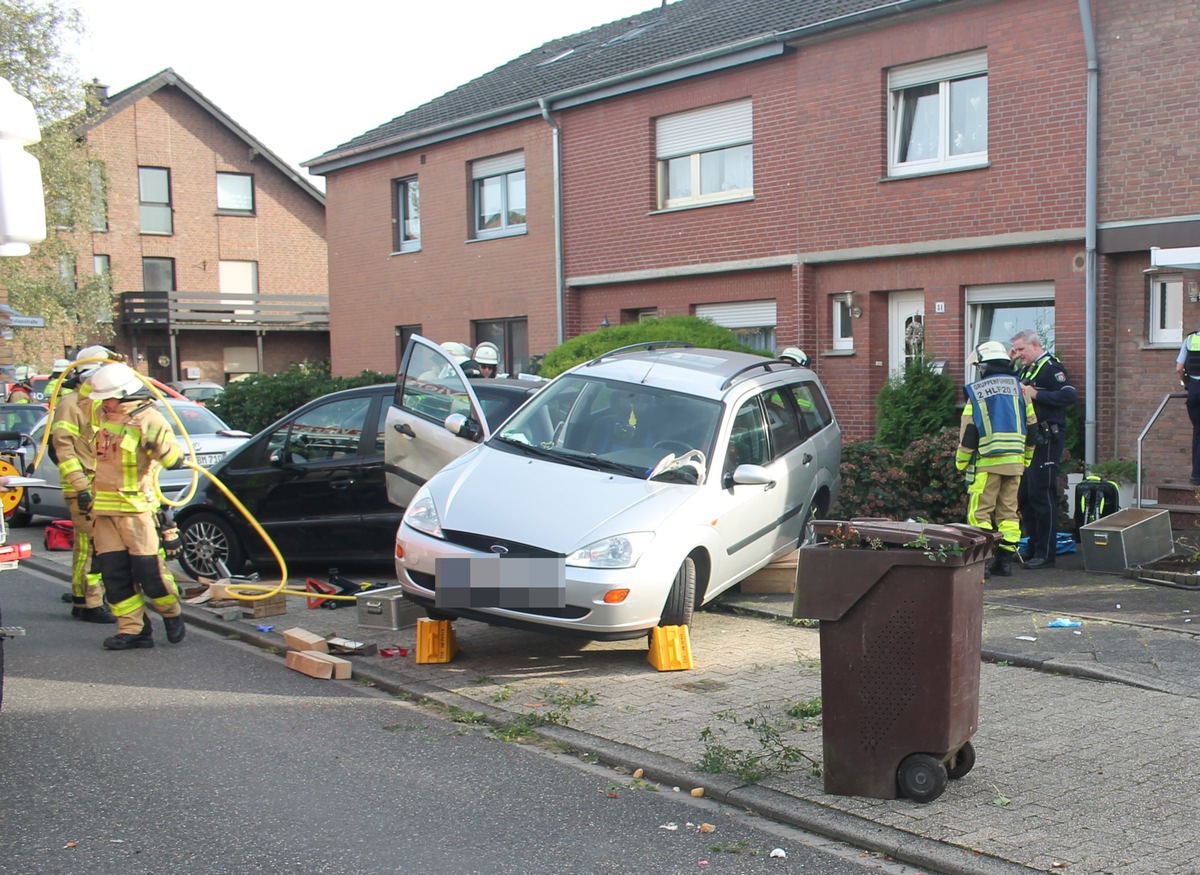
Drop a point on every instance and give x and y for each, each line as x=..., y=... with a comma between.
x=702, y=205
x=932, y=171
x=1172, y=345
x=157, y=233
x=837, y=353
x=498, y=235
x=249, y=214
x=407, y=250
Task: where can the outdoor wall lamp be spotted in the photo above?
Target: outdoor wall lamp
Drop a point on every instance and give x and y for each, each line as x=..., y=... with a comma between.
x=604, y=323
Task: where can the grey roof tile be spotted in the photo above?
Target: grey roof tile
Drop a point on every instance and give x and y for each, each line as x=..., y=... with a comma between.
x=659, y=35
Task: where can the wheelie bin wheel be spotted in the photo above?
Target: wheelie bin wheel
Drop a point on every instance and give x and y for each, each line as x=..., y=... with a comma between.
x=922, y=778
x=961, y=763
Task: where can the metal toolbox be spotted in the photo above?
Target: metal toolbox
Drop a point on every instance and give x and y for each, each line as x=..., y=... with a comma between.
x=1126, y=539
x=386, y=609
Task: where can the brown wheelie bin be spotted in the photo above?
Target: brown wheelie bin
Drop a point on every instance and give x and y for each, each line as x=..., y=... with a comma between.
x=901, y=611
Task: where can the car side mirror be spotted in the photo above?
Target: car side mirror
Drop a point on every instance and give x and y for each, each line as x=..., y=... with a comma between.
x=276, y=458
x=751, y=475
x=461, y=425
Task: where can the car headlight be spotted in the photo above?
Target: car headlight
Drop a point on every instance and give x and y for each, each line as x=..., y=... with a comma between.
x=619, y=551
x=422, y=514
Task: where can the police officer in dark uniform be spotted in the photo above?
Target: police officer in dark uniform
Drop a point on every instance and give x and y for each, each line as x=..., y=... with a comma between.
x=1046, y=384
x=1187, y=365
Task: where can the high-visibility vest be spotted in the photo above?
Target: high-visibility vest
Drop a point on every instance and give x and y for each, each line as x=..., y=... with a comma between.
x=998, y=408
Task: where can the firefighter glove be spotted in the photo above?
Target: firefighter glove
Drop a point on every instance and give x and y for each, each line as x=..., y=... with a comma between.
x=170, y=542
x=85, y=501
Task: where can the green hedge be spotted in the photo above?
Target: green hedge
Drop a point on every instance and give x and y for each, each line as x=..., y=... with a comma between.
x=255, y=402
x=919, y=483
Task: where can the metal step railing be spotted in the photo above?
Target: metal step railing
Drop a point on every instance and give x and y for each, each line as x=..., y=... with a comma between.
x=1137, y=499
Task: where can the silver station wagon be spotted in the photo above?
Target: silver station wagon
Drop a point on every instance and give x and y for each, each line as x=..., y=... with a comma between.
x=642, y=483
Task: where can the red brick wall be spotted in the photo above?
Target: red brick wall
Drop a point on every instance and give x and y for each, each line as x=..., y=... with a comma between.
x=820, y=130
x=286, y=235
x=453, y=279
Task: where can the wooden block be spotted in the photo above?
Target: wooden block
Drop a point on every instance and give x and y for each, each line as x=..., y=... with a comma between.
x=779, y=576
x=272, y=607
x=309, y=662
x=342, y=668
x=302, y=639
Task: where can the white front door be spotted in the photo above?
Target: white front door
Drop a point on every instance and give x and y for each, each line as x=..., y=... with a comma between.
x=906, y=316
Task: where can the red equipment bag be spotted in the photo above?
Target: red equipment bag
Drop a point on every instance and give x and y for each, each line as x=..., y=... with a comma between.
x=60, y=535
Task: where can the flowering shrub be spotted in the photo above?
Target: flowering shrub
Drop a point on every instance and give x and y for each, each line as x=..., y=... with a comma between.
x=846, y=537
x=920, y=483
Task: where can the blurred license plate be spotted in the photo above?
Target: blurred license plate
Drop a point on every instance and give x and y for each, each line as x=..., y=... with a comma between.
x=207, y=460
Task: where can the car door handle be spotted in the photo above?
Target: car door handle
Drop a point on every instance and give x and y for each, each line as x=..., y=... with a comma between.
x=405, y=429
x=807, y=458
x=344, y=483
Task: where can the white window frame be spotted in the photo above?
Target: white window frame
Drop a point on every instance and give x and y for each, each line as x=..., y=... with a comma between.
x=1037, y=295
x=508, y=172
x=406, y=200
x=688, y=139
x=945, y=74
x=1166, y=310
x=842, y=321
x=247, y=210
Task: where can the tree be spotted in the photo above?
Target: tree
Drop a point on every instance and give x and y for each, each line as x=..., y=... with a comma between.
x=75, y=306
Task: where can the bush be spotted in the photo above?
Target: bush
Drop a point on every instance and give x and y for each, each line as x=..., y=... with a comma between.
x=257, y=401
x=921, y=483
x=912, y=407
x=687, y=329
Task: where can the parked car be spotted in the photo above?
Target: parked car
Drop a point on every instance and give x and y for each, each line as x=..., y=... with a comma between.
x=200, y=391
x=315, y=481
x=16, y=422
x=653, y=478
x=211, y=439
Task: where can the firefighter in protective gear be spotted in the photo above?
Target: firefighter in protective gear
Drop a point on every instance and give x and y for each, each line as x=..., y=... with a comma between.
x=487, y=356
x=995, y=444
x=72, y=449
x=132, y=438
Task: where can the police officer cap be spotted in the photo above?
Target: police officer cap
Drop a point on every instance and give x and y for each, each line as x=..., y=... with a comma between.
x=989, y=351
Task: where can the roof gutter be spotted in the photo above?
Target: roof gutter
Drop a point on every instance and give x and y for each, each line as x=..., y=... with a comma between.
x=866, y=16
x=1091, y=214
x=559, y=286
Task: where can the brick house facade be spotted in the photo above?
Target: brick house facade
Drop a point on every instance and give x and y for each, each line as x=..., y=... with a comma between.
x=850, y=252
x=213, y=289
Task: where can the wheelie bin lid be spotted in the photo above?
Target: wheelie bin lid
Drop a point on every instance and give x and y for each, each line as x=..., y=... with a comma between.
x=831, y=580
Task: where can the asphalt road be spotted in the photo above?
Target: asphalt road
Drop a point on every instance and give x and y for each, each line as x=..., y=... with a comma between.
x=211, y=757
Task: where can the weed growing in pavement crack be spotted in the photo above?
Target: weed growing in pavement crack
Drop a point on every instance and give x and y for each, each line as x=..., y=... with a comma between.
x=562, y=698
x=502, y=695
x=772, y=757
x=633, y=784
x=806, y=709
x=459, y=715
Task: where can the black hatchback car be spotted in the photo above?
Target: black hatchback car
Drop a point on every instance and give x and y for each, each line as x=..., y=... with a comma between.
x=315, y=482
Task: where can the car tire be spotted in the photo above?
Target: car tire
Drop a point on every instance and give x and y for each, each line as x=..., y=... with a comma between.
x=19, y=518
x=816, y=511
x=681, y=600
x=206, y=538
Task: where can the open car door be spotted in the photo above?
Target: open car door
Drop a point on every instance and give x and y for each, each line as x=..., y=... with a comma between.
x=434, y=418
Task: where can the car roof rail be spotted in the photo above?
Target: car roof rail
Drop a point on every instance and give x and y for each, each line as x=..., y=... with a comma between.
x=764, y=365
x=648, y=345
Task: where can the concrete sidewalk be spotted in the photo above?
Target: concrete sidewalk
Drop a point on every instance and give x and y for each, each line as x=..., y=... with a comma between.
x=1087, y=765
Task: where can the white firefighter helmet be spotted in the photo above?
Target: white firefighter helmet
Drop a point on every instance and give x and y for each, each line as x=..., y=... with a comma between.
x=115, y=380
x=460, y=352
x=989, y=351
x=91, y=352
x=487, y=354
x=796, y=355
x=60, y=366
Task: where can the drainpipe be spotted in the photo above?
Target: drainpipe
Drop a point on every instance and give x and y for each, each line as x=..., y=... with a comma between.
x=1091, y=219
x=560, y=291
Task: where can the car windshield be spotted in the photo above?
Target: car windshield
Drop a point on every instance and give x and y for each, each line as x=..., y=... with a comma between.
x=626, y=427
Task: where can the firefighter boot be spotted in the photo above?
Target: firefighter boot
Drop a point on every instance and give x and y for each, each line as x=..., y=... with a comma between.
x=98, y=614
x=175, y=628
x=126, y=641
x=1001, y=565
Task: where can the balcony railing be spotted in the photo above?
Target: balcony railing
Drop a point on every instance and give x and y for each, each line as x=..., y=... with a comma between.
x=213, y=311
